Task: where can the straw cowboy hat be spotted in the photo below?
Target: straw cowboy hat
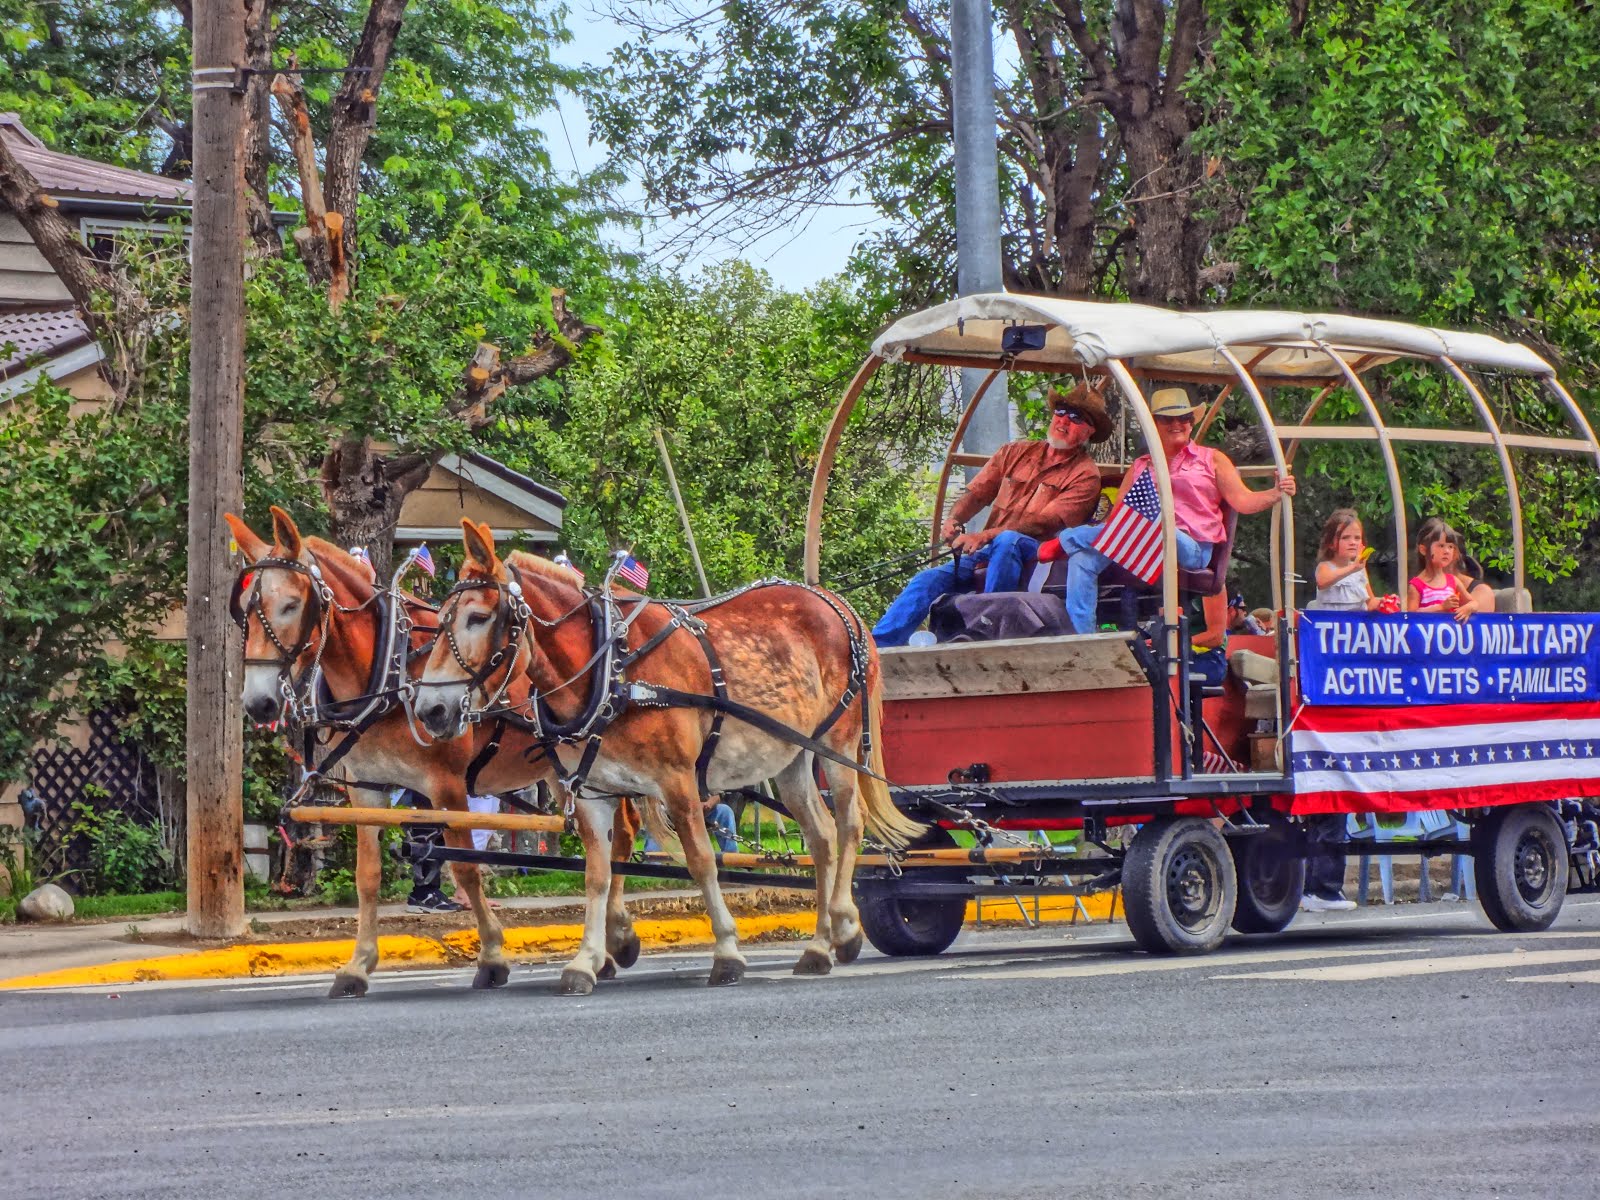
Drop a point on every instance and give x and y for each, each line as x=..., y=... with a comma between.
x=1171, y=402
x=1088, y=400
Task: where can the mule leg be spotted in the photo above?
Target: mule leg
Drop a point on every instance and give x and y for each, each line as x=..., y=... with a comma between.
x=351, y=979
x=797, y=789
x=622, y=943
x=683, y=802
x=493, y=970
x=595, y=817
x=848, y=824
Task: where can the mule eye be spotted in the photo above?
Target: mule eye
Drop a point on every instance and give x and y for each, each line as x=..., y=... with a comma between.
x=477, y=620
x=291, y=606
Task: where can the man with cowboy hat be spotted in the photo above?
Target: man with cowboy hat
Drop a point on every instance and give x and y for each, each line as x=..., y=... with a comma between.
x=1036, y=487
x=1203, y=481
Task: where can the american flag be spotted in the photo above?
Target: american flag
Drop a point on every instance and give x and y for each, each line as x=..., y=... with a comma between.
x=1131, y=537
x=635, y=572
x=424, y=559
x=1350, y=758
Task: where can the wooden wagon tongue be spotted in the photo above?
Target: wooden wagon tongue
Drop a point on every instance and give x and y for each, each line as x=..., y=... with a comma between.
x=534, y=822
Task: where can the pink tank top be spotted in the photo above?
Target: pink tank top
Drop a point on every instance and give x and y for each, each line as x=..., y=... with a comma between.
x=1196, y=501
x=1427, y=594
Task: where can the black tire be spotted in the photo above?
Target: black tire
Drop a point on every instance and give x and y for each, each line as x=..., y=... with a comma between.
x=1178, y=887
x=907, y=928
x=1271, y=870
x=1520, y=863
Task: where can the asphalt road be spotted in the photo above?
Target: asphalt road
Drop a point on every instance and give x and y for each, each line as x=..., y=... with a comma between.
x=1407, y=1051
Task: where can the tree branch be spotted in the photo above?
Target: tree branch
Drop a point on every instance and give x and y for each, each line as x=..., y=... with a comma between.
x=91, y=283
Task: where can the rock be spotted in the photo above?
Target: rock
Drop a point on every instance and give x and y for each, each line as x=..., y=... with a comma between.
x=47, y=903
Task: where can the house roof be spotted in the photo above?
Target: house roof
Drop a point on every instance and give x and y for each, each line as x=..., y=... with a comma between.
x=67, y=177
x=38, y=331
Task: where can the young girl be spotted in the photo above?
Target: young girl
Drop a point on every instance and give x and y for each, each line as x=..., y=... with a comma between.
x=1436, y=588
x=1341, y=576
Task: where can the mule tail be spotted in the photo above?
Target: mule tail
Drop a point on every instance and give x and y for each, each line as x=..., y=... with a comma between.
x=884, y=821
x=658, y=824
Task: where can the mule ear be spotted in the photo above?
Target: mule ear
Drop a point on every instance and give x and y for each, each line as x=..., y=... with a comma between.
x=479, y=543
x=249, y=544
x=286, y=531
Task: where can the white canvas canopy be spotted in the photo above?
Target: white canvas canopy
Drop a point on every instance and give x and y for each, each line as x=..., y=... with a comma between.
x=1276, y=345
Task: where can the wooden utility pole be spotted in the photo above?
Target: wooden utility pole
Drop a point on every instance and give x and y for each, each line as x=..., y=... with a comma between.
x=216, y=482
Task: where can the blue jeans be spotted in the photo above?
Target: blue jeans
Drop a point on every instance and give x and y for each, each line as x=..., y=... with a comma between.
x=1007, y=556
x=719, y=824
x=1085, y=564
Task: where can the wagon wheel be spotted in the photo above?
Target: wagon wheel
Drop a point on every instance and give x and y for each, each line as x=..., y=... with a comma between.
x=904, y=927
x=1520, y=862
x=1271, y=870
x=1178, y=886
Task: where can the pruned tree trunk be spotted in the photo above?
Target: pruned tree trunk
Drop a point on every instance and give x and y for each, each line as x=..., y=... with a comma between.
x=365, y=491
x=354, y=113
x=264, y=239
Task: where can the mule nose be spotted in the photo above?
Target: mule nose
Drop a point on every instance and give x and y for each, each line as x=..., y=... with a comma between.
x=435, y=715
x=262, y=709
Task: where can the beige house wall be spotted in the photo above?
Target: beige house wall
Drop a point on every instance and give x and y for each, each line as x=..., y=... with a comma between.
x=25, y=276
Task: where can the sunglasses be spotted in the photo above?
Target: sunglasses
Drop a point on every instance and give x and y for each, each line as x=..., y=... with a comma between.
x=1074, y=415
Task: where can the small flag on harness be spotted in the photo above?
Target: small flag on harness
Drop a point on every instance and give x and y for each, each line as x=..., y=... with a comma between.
x=424, y=559
x=1131, y=537
x=561, y=560
x=635, y=572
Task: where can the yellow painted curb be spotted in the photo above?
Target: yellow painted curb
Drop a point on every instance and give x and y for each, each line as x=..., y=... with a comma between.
x=461, y=946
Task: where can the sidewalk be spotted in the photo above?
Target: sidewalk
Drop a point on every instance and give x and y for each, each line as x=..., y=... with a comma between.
x=318, y=941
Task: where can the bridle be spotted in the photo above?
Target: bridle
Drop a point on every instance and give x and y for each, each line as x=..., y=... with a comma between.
x=295, y=690
x=511, y=614
x=303, y=701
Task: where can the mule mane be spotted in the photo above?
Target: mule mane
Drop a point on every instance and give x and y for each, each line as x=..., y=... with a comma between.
x=340, y=566
x=534, y=565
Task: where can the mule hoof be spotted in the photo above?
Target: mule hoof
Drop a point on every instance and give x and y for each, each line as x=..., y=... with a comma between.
x=575, y=983
x=347, y=986
x=491, y=975
x=725, y=972
x=608, y=970
x=628, y=953
x=813, y=962
x=849, y=951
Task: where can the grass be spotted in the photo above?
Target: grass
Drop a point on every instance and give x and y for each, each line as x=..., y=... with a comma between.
x=144, y=904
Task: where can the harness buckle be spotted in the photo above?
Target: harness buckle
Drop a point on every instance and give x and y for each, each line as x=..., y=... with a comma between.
x=646, y=694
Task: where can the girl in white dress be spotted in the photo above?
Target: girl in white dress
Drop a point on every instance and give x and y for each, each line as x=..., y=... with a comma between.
x=1342, y=584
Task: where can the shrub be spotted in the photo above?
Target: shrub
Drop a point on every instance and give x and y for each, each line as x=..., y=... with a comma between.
x=125, y=856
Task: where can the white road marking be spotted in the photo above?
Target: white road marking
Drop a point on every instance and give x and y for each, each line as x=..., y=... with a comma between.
x=1130, y=964
x=1425, y=966
x=1563, y=977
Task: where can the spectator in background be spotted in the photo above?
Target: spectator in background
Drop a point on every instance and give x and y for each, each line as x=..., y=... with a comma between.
x=1265, y=618
x=1240, y=620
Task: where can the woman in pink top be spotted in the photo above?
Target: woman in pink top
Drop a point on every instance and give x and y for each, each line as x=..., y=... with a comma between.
x=1203, y=480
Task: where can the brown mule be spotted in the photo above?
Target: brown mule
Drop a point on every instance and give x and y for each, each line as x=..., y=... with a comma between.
x=785, y=650
x=285, y=615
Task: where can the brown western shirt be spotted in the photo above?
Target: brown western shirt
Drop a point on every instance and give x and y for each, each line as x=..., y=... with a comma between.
x=1035, y=489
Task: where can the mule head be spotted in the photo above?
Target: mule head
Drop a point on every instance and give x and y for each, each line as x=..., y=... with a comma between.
x=482, y=637
x=278, y=604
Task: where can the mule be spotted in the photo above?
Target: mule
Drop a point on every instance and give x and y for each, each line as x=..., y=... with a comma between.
x=787, y=651
x=289, y=626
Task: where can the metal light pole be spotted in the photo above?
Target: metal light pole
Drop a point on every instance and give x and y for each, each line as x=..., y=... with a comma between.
x=215, y=757
x=977, y=201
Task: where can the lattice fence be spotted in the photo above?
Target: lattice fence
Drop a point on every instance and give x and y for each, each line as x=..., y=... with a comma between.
x=109, y=774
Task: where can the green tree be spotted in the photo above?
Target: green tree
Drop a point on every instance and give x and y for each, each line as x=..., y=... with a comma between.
x=742, y=378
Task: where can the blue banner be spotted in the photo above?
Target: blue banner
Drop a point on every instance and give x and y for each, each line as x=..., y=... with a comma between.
x=1431, y=658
